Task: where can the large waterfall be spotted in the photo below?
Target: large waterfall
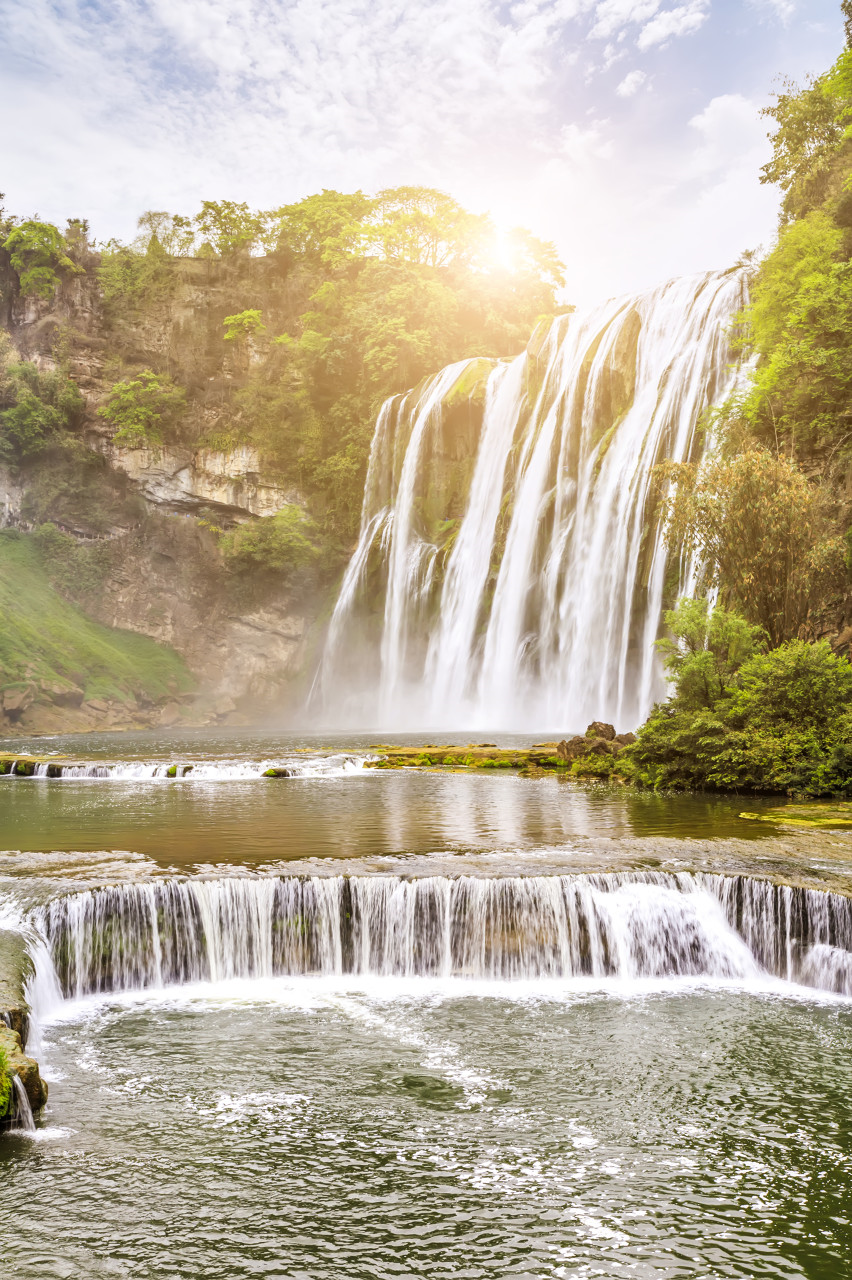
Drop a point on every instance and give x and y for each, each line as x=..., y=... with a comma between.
x=512, y=568
x=628, y=925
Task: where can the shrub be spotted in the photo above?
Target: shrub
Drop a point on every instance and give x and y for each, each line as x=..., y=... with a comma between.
x=5, y=1086
x=37, y=251
x=36, y=408
x=743, y=719
x=279, y=542
x=239, y=328
x=143, y=408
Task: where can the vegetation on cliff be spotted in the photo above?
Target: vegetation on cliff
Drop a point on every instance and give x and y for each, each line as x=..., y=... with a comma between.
x=5, y=1086
x=49, y=649
x=328, y=306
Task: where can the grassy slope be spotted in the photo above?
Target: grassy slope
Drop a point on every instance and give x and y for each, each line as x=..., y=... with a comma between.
x=44, y=638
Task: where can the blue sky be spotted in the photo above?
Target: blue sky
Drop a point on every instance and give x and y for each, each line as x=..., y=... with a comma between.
x=625, y=130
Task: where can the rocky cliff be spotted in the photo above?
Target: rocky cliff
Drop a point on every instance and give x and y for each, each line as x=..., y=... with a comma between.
x=151, y=519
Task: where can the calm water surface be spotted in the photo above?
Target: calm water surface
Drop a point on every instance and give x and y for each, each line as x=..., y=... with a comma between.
x=189, y=821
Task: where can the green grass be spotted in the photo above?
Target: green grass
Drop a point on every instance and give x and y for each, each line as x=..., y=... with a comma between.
x=44, y=637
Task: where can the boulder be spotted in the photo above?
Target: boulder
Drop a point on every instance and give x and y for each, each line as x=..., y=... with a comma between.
x=597, y=729
x=62, y=694
x=571, y=749
x=598, y=747
x=624, y=739
x=16, y=700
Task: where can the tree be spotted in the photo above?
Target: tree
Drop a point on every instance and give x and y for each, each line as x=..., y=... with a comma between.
x=705, y=650
x=239, y=328
x=171, y=232
x=229, y=227
x=38, y=254
x=763, y=533
x=281, y=542
x=811, y=124
x=742, y=717
x=143, y=408
x=36, y=408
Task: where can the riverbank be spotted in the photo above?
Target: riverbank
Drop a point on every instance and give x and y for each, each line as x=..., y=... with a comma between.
x=15, y=968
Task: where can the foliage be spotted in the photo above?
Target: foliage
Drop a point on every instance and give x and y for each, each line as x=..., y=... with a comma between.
x=244, y=325
x=403, y=285
x=800, y=317
x=762, y=531
x=38, y=253
x=75, y=569
x=5, y=1085
x=229, y=228
x=282, y=542
x=133, y=280
x=44, y=637
x=36, y=408
x=743, y=718
x=143, y=409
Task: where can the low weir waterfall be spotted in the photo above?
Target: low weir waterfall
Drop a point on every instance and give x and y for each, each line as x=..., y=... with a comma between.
x=512, y=567
x=625, y=925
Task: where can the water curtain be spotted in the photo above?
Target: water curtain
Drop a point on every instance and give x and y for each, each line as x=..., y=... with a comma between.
x=624, y=925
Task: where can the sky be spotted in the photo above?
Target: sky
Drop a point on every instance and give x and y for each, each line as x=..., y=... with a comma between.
x=627, y=131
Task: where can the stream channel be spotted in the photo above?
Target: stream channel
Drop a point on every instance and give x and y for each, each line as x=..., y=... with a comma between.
x=356, y=1024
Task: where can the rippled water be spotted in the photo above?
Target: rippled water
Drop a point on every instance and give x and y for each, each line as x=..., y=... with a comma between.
x=407, y=1130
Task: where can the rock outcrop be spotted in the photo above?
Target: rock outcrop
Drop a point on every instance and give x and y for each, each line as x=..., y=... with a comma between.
x=15, y=1017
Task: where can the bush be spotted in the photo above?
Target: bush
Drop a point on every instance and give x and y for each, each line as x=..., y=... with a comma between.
x=37, y=251
x=279, y=542
x=36, y=408
x=143, y=408
x=743, y=719
x=5, y=1086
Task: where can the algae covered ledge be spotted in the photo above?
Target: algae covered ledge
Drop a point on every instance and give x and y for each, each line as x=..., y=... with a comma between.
x=15, y=968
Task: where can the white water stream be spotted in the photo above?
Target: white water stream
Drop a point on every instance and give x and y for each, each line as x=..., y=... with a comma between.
x=543, y=610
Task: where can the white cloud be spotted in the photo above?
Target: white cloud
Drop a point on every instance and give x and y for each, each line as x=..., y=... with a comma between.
x=631, y=84
x=612, y=16
x=681, y=21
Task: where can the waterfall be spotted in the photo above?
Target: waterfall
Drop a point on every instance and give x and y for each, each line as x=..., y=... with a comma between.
x=23, y=1110
x=627, y=925
x=512, y=569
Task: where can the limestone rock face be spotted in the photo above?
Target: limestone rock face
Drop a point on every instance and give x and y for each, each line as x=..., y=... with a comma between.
x=184, y=480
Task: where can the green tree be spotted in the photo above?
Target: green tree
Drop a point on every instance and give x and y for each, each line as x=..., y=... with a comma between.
x=37, y=408
x=230, y=228
x=744, y=718
x=281, y=543
x=763, y=532
x=239, y=328
x=705, y=650
x=144, y=409
x=38, y=253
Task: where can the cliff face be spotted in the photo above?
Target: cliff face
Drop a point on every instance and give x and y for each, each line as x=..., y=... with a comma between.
x=152, y=516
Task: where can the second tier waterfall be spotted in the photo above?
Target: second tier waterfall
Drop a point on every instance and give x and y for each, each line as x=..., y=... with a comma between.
x=512, y=567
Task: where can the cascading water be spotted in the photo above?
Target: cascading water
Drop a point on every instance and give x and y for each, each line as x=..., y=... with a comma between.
x=514, y=574
x=24, y=1120
x=636, y=925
